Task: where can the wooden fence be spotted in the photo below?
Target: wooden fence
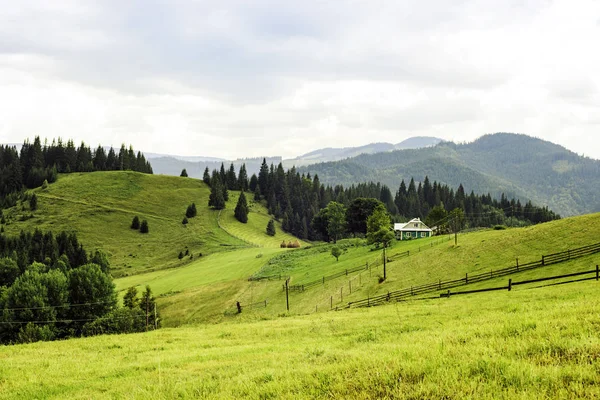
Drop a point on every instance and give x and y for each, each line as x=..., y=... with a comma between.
x=442, y=285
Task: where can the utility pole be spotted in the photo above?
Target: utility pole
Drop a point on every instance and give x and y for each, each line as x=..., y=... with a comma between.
x=384, y=259
x=287, y=298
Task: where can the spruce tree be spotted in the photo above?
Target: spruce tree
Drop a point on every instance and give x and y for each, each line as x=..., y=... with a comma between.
x=241, y=209
x=206, y=176
x=216, y=199
x=33, y=202
x=271, y=228
x=184, y=173
x=135, y=223
x=144, y=227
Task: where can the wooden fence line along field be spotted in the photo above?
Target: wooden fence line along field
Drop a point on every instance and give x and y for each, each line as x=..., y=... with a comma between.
x=596, y=277
x=441, y=285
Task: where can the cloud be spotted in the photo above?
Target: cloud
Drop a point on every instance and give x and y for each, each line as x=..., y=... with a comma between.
x=236, y=78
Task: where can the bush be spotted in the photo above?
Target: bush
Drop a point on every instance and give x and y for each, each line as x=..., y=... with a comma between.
x=499, y=227
x=144, y=227
x=135, y=223
x=185, y=221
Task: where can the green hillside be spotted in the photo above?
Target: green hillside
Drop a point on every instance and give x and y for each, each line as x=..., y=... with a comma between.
x=523, y=344
x=100, y=206
x=189, y=295
x=517, y=165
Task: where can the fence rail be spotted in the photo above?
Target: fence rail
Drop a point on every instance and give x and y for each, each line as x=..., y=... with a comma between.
x=443, y=285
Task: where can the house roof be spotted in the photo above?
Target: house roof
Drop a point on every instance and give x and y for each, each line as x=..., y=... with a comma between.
x=410, y=226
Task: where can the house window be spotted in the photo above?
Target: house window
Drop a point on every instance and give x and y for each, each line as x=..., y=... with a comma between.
x=423, y=234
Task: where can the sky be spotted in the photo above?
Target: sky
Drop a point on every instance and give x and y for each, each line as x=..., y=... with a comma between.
x=258, y=78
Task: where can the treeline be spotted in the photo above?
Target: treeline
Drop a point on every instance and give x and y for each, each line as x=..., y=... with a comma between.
x=296, y=199
x=36, y=163
x=51, y=288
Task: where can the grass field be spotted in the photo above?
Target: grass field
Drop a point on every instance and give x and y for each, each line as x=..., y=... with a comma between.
x=100, y=206
x=524, y=344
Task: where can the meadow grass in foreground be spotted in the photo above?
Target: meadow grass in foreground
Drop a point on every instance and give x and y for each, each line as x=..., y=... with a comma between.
x=540, y=343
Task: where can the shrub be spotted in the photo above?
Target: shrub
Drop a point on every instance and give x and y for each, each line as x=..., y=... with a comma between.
x=499, y=227
x=135, y=223
x=144, y=227
x=185, y=221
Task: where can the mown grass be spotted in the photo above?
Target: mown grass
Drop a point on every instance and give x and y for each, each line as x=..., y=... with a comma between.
x=525, y=344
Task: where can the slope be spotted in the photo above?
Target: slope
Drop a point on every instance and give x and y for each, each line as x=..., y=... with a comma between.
x=430, y=260
x=100, y=206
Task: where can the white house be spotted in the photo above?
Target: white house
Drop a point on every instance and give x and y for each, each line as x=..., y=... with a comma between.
x=413, y=229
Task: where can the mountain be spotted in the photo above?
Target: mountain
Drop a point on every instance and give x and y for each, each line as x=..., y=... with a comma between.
x=335, y=154
x=518, y=165
x=169, y=165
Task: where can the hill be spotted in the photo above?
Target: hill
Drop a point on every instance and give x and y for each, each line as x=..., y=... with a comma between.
x=100, y=206
x=517, y=165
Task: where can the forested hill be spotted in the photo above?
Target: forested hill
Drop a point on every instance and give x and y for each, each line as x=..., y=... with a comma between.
x=518, y=165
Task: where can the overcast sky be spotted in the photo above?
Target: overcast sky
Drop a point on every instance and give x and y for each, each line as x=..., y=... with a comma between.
x=252, y=78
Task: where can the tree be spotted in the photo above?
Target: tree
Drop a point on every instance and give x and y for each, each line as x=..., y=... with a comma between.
x=184, y=173
x=33, y=202
x=206, y=176
x=241, y=209
x=9, y=271
x=379, y=232
x=216, y=199
x=130, y=299
x=437, y=217
x=100, y=258
x=191, y=211
x=379, y=227
x=148, y=307
x=336, y=221
x=90, y=286
x=271, y=228
x=357, y=213
x=144, y=227
x=135, y=223
x=336, y=252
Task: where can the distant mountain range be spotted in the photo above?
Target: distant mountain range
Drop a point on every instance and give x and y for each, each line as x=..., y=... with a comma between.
x=172, y=165
x=335, y=154
x=518, y=165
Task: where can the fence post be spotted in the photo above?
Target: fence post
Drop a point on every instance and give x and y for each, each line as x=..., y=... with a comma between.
x=509, y=285
x=543, y=261
x=287, y=297
x=239, y=307
x=597, y=272
x=331, y=301
x=466, y=278
x=440, y=285
x=323, y=280
x=350, y=286
x=517, y=264
x=341, y=294
x=448, y=295
x=411, y=291
x=368, y=301
x=388, y=296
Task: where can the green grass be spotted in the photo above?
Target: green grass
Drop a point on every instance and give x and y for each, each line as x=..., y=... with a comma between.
x=254, y=231
x=99, y=206
x=523, y=344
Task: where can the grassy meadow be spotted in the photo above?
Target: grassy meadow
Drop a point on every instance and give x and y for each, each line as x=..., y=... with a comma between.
x=523, y=344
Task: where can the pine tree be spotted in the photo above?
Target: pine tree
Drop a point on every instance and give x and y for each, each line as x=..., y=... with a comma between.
x=206, y=176
x=241, y=209
x=271, y=228
x=135, y=223
x=144, y=227
x=216, y=199
x=184, y=173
